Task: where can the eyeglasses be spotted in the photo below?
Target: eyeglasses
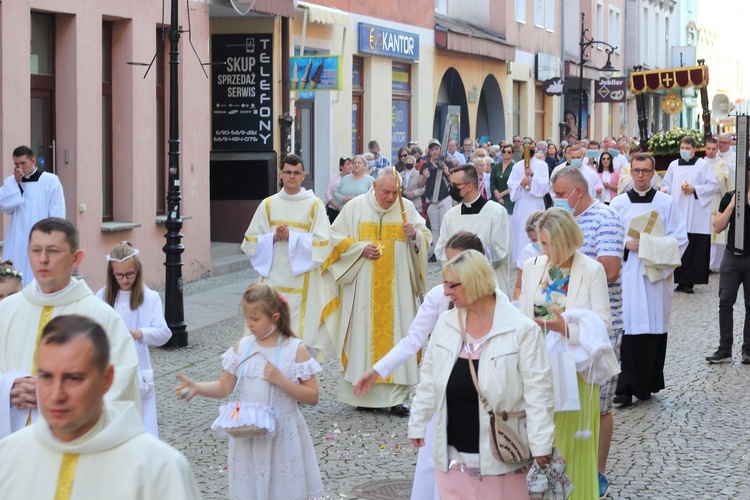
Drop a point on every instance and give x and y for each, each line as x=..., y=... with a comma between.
x=403, y=156
x=292, y=173
x=638, y=171
x=51, y=252
x=121, y=276
x=461, y=184
x=507, y=152
x=450, y=286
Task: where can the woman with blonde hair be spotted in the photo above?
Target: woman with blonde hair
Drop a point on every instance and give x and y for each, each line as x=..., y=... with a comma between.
x=506, y=350
x=564, y=279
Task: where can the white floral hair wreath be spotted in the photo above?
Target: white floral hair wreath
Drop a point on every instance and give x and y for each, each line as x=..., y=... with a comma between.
x=120, y=261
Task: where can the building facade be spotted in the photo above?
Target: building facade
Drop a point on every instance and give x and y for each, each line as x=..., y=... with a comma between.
x=67, y=90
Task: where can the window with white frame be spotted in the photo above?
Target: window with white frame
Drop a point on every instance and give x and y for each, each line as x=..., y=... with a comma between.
x=645, y=41
x=539, y=13
x=549, y=15
x=599, y=20
x=441, y=6
x=667, y=59
x=521, y=11
x=615, y=28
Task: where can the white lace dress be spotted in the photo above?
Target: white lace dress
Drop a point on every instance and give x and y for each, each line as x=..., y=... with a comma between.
x=283, y=466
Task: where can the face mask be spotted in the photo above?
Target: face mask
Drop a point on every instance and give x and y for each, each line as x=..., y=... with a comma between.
x=685, y=154
x=456, y=193
x=537, y=247
x=271, y=329
x=564, y=203
x=371, y=163
x=614, y=152
x=576, y=163
x=593, y=153
x=734, y=148
x=409, y=166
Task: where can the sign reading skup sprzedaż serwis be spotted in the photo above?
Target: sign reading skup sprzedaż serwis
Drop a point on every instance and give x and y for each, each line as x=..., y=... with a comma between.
x=387, y=42
x=242, y=92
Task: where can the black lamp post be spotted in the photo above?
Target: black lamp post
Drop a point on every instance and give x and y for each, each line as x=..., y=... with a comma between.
x=608, y=69
x=174, y=310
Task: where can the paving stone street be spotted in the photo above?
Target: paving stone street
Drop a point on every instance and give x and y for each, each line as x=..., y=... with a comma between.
x=689, y=441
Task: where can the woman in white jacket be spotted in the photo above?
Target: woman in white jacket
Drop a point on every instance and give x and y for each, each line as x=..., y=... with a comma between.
x=513, y=375
x=565, y=279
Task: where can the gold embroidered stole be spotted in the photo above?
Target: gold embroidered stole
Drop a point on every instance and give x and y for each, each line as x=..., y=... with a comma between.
x=66, y=476
x=43, y=320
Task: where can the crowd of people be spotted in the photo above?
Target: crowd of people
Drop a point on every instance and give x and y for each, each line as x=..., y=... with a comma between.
x=595, y=236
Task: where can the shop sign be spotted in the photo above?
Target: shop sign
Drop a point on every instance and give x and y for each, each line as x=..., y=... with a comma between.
x=610, y=90
x=387, y=42
x=315, y=73
x=399, y=127
x=242, y=92
x=553, y=86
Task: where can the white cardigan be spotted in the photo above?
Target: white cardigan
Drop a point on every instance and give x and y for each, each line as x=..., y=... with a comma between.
x=514, y=375
x=587, y=289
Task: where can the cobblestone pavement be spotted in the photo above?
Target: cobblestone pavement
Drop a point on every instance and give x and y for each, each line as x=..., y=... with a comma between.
x=689, y=441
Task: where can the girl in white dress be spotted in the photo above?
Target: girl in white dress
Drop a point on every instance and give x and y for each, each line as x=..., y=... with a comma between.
x=140, y=309
x=282, y=465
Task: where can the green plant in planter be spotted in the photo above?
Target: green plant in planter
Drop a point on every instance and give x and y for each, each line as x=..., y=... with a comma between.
x=668, y=142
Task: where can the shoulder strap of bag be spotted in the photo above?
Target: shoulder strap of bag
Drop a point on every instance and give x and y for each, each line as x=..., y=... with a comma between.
x=243, y=364
x=504, y=414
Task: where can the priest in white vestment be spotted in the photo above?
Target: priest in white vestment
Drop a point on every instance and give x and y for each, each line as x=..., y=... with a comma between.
x=84, y=448
x=575, y=159
x=692, y=184
x=287, y=242
x=646, y=304
x=726, y=152
x=476, y=214
x=725, y=178
x=376, y=260
x=54, y=252
x=28, y=196
x=527, y=189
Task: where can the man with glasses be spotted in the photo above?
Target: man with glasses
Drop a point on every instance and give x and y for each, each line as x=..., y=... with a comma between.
x=646, y=293
x=726, y=152
x=468, y=149
x=477, y=215
x=287, y=241
x=29, y=195
x=54, y=252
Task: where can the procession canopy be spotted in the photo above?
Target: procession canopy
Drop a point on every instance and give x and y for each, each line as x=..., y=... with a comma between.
x=668, y=79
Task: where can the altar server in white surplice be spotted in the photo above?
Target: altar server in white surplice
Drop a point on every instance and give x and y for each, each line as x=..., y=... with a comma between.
x=725, y=178
x=28, y=196
x=647, y=304
x=287, y=241
x=375, y=257
x=527, y=189
x=476, y=214
x=53, y=253
x=84, y=447
x=692, y=184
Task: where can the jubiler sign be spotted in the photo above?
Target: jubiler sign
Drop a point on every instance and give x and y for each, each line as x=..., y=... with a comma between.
x=387, y=42
x=242, y=92
x=610, y=90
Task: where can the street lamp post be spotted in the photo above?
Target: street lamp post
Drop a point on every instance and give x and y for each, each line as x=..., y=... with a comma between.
x=608, y=69
x=174, y=310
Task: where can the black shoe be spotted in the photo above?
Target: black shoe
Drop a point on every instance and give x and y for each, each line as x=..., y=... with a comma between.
x=365, y=408
x=432, y=259
x=680, y=288
x=623, y=400
x=745, y=356
x=643, y=397
x=400, y=410
x=724, y=356
x=688, y=289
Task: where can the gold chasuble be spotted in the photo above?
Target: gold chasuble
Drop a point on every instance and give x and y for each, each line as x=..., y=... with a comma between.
x=377, y=303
